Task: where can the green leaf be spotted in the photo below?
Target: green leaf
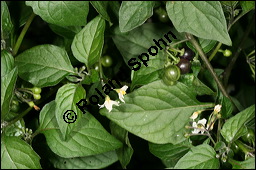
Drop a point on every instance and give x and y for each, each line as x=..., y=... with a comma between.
x=7, y=62
x=66, y=32
x=192, y=81
x=150, y=73
x=7, y=87
x=63, y=13
x=88, y=43
x=247, y=164
x=207, y=76
x=206, y=45
x=44, y=65
x=47, y=117
x=15, y=129
x=89, y=162
x=101, y=8
x=24, y=13
x=115, y=6
x=227, y=106
x=87, y=138
x=66, y=99
x=229, y=3
x=134, y=13
x=6, y=23
x=204, y=19
x=155, y=108
x=17, y=154
x=247, y=5
x=124, y=153
x=92, y=78
x=169, y=152
x=234, y=127
x=200, y=157
x=139, y=40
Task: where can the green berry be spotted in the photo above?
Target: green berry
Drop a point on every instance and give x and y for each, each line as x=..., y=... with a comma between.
x=227, y=53
x=36, y=90
x=37, y=96
x=31, y=104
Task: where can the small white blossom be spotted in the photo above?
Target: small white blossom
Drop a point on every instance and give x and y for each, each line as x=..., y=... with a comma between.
x=199, y=126
x=195, y=115
x=121, y=92
x=108, y=103
x=217, y=108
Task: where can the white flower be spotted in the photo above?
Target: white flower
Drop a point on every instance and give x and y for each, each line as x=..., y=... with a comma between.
x=121, y=92
x=199, y=126
x=217, y=108
x=195, y=115
x=108, y=103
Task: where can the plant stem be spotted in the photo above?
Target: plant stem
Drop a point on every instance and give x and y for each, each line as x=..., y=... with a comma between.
x=218, y=130
x=179, y=42
x=101, y=73
x=215, y=51
x=229, y=26
x=207, y=63
x=176, y=60
x=209, y=135
x=20, y=116
x=37, y=103
x=22, y=34
x=229, y=68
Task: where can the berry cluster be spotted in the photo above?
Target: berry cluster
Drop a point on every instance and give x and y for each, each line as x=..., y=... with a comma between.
x=22, y=95
x=184, y=63
x=172, y=72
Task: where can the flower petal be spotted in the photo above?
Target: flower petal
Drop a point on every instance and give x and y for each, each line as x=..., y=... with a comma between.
x=121, y=97
x=124, y=88
x=202, y=121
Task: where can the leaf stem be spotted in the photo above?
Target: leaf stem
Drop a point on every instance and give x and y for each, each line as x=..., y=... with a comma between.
x=40, y=131
x=22, y=34
x=207, y=63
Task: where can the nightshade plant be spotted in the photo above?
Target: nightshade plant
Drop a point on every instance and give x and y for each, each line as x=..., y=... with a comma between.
x=53, y=54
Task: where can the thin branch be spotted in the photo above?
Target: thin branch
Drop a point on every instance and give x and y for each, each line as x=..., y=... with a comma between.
x=207, y=63
x=229, y=68
x=22, y=34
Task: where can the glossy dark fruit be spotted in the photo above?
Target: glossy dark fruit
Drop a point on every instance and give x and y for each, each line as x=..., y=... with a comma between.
x=172, y=73
x=36, y=90
x=235, y=148
x=188, y=54
x=106, y=61
x=184, y=66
